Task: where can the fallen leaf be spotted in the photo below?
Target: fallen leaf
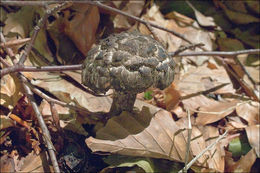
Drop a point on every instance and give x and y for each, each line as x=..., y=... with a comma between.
x=6, y=122
x=131, y=7
x=147, y=135
x=202, y=20
x=68, y=119
x=243, y=165
x=172, y=97
x=249, y=112
x=193, y=80
x=36, y=163
x=7, y=164
x=126, y=161
x=239, y=18
x=215, y=112
x=10, y=91
x=68, y=92
x=254, y=137
x=85, y=21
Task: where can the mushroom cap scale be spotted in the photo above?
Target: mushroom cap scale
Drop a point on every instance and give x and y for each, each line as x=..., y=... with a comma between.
x=127, y=62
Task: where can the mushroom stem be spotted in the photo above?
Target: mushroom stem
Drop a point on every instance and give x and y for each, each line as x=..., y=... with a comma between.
x=122, y=101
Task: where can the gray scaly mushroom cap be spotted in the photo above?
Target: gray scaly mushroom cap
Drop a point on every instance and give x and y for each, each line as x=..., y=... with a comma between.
x=127, y=62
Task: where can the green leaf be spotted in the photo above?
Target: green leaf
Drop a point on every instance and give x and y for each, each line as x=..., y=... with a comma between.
x=127, y=161
x=148, y=95
x=239, y=146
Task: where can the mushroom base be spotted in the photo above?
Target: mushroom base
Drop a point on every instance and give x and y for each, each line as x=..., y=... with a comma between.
x=122, y=101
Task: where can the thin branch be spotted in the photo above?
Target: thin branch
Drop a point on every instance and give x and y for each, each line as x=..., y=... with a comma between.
x=36, y=30
x=15, y=42
x=98, y=4
x=188, y=141
x=8, y=50
x=29, y=94
x=26, y=3
x=246, y=72
x=6, y=64
x=204, y=151
x=22, y=68
x=218, y=53
x=183, y=48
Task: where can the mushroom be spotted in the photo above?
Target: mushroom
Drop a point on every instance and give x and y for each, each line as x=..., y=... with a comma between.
x=129, y=63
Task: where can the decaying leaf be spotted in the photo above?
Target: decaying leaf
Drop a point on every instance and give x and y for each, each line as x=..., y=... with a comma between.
x=84, y=21
x=10, y=91
x=243, y=165
x=202, y=20
x=68, y=119
x=254, y=138
x=6, y=122
x=215, y=112
x=70, y=93
x=147, y=135
x=131, y=7
x=36, y=163
x=249, y=112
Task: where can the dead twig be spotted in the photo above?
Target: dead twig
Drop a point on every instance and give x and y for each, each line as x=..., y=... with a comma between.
x=202, y=152
x=26, y=3
x=99, y=4
x=15, y=42
x=246, y=72
x=22, y=68
x=183, y=48
x=218, y=53
x=28, y=92
x=36, y=30
x=188, y=141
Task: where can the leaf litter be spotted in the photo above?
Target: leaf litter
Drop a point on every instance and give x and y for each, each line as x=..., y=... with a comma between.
x=153, y=132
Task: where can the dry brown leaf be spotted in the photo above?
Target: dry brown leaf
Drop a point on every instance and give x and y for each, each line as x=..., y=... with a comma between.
x=202, y=20
x=7, y=164
x=140, y=135
x=196, y=102
x=131, y=7
x=68, y=119
x=203, y=78
x=249, y=112
x=148, y=135
x=172, y=97
x=36, y=163
x=216, y=160
x=10, y=91
x=154, y=15
x=215, y=112
x=69, y=93
x=243, y=165
x=236, y=122
x=179, y=112
x=82, y=28
x=254, y=137
x=6, y=122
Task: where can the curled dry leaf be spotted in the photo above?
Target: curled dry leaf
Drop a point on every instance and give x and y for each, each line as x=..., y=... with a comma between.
x=81, y=28
x=10, y=91
x=68, y=119
x=202, y=20
x=6, y=122
x=254, y=137
x=244, y=164
x=249, y=112
x=131, y=7
x=203, y=78
x=215, y=112
x=70, y=93
x=35, y=163
x=148, y=135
